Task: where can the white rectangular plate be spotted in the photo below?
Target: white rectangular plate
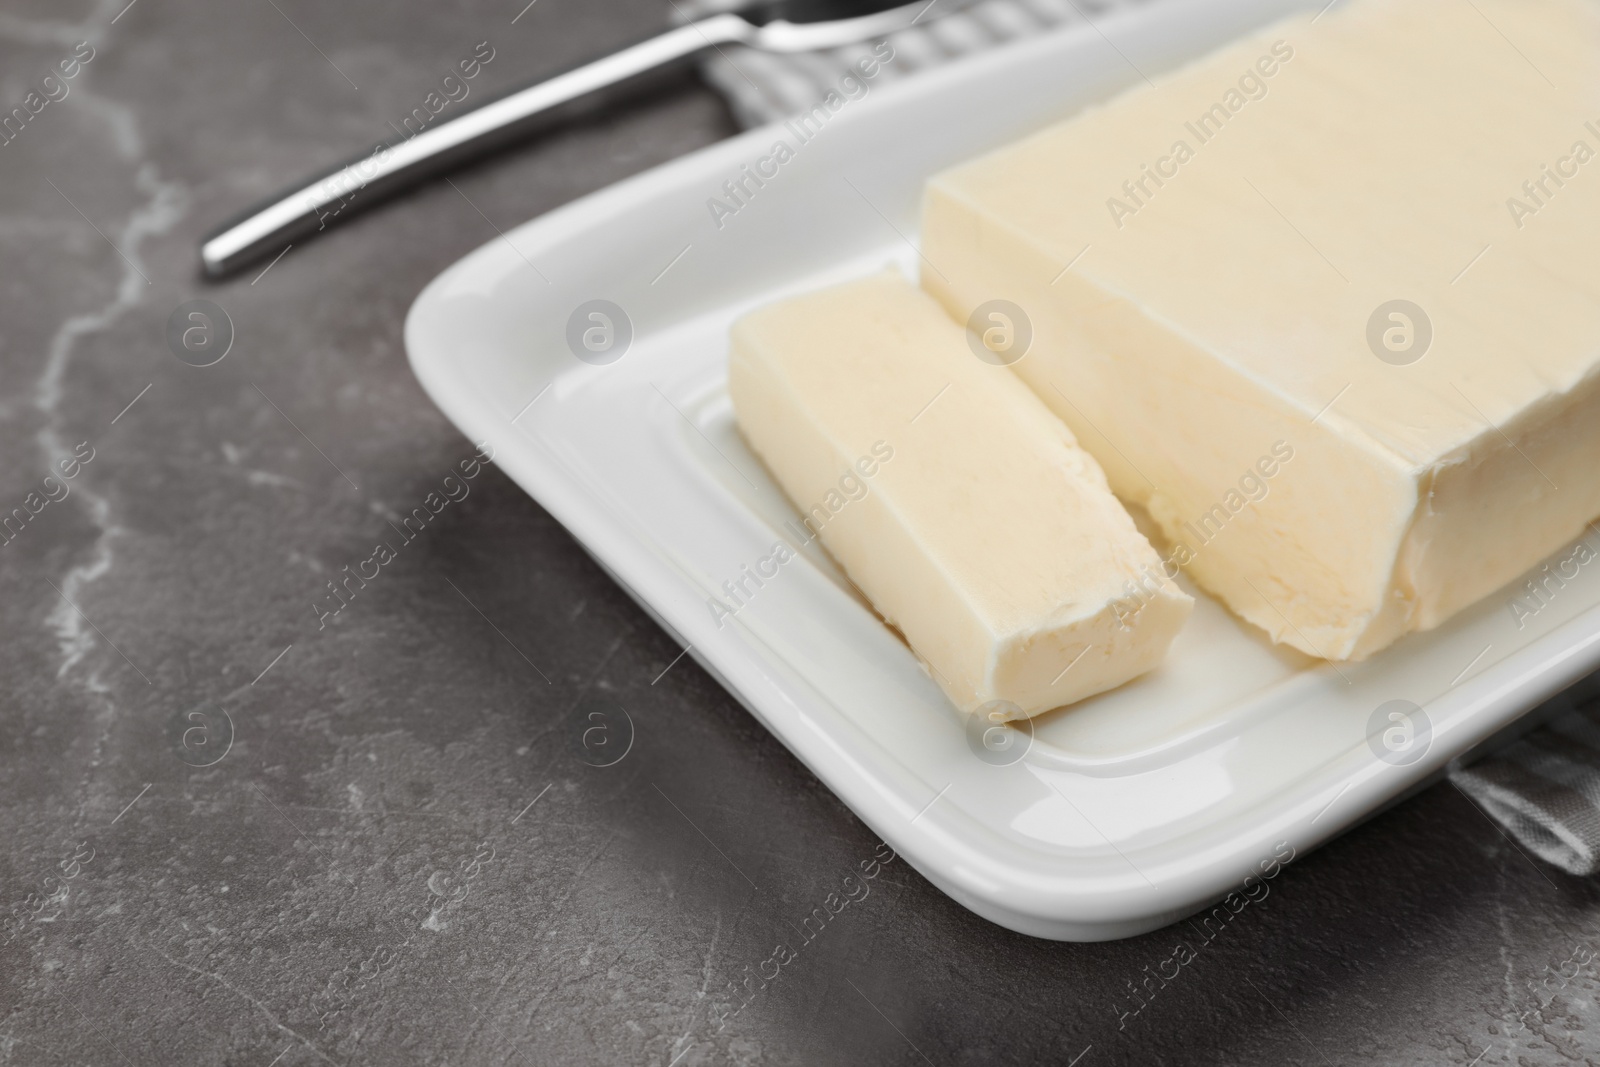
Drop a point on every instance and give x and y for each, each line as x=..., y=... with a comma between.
x=1125, y=812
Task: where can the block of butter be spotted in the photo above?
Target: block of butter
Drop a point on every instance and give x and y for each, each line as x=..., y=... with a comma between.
x=1327, y=303
x=984, y=534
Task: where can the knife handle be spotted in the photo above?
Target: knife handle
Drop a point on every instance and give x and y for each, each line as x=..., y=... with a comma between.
x=334, y=195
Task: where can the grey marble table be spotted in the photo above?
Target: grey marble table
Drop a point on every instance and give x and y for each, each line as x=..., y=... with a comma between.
x=238, y=832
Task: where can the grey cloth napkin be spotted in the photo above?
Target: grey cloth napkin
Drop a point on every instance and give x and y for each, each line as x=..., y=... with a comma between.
x=762, y=87
x=1543, y=789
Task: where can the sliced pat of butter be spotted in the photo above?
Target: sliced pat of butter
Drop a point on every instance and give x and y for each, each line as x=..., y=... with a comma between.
x=1211, y=266
x=981, y=531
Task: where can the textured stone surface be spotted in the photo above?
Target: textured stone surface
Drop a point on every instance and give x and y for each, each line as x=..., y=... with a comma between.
x=360, y=877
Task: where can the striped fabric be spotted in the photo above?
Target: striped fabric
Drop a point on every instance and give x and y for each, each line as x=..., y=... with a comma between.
x=762, y=87
x=1544, y=789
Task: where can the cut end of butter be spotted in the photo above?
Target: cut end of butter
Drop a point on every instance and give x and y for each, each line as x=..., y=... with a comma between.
x=1324, y=302
x=953, y=498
